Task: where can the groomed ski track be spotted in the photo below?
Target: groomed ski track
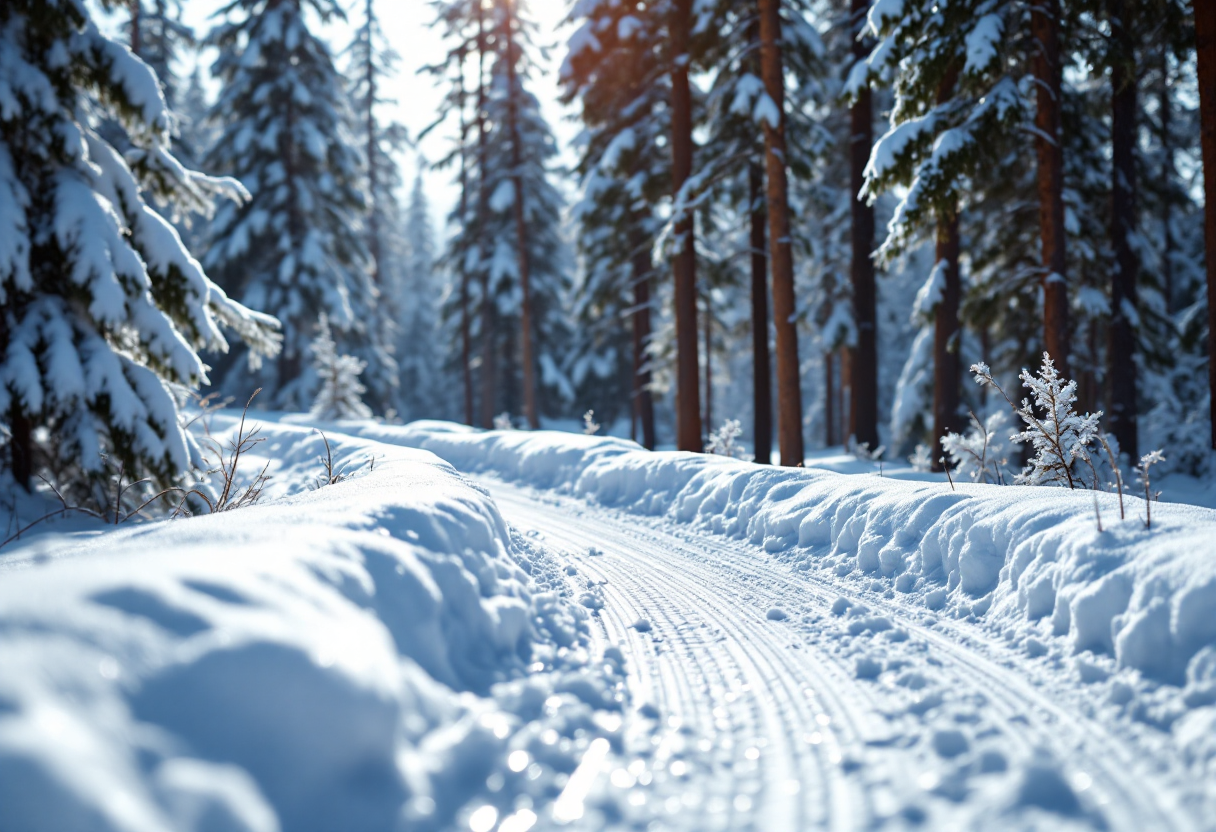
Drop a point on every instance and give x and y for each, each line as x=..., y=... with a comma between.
x=776, y=699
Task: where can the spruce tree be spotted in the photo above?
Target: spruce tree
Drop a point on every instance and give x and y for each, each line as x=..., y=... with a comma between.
x=296, y=248
x=615, y=71
x=103, y=311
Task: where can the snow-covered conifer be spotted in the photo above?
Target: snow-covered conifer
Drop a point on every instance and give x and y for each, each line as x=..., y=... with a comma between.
x=102, y=308
x=340, y=395
x=416, y=304
x=297, y=247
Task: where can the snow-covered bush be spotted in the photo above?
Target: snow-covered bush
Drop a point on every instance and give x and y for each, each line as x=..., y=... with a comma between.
x=981, y=452
x=341, y=393
x=1060, y=437
x=590, y=426
x=722, y=441
x=102, y=309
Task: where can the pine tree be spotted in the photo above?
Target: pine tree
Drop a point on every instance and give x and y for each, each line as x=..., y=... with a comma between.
x=416, y=310
x=956, y=94
x=616, y=71
x=159, y=38
x=371, y=64
x=340, y=393
x=506, y=164
x=102, y=309
x=296, y=248
x=1205, y=49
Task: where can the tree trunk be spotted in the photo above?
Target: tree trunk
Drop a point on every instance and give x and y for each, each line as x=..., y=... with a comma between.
x=373, y=219
x=488, y=354
x=136, y=25
x=21, y=449
x=1121, y=355
x=1169, y=175
x=829, y=399
x=1205, y=48
x=643, y=398
x=863, y=366
x=526, y=333
x=466, y=339
x=946, y=336
x=762, y=384
x=709, y=364
x=781, y=254
x=1045, y=29
x=688, y=394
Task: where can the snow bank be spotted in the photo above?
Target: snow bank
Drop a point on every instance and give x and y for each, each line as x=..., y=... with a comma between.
x=1030, y=558
x=368, y=655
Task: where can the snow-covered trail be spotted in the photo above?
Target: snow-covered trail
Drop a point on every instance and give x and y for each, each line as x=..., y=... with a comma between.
x=785, y=700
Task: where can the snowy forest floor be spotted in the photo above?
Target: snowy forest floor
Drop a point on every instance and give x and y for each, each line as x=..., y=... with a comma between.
x=574, y=633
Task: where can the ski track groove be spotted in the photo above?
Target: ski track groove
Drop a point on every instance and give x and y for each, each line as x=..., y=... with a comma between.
x=647, y=572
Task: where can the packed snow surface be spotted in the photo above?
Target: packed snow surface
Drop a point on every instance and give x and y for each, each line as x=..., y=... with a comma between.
x=590, y=636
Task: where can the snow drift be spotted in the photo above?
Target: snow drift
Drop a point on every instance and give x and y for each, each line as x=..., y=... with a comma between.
x=360, y=656
x=1027, y=557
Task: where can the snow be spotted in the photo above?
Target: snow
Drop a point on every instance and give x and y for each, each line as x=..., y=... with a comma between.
x=1019, y=555
x=362, y=655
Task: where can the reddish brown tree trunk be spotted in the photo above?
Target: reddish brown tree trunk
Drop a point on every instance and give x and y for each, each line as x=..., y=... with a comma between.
x=1121, y=355
x=642, y=397
x=946, y=335
x=684, y=264
x=526, y=334
x=863, y=366
x=829, y=399
x=762, y=385
x=781, y=253
x=1045, y=29
x=1205, y=48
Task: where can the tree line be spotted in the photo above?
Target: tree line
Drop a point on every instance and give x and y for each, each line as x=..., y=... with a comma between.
x=831, y=207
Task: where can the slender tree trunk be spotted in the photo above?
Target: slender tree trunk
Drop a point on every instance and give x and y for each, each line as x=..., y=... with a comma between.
x=1205, y=48
x=643, y=398
x=1045, y=29
x=946, y=335
x=489, y=356
x=1121, y=354
x=781, y=253
x=137, y=7
x=762, y=383
x=21, y=449
x=1169, y=175
x=829, y=399
x=709, y=364
x=466, y=340
x=946, y=330
x=688, y=396
x=373, y=217
x=863, y=366
x=527, y=333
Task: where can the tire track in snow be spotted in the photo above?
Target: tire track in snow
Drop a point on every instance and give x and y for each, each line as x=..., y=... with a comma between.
x=858, y=773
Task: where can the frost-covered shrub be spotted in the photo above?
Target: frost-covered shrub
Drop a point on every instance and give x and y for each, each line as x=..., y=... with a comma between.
x=722, y=441
x=1062, y=440
x=981, y=452
x=103, y=311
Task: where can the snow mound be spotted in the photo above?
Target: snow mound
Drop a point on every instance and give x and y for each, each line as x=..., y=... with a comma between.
x=360, y=656
x=1028, y=558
